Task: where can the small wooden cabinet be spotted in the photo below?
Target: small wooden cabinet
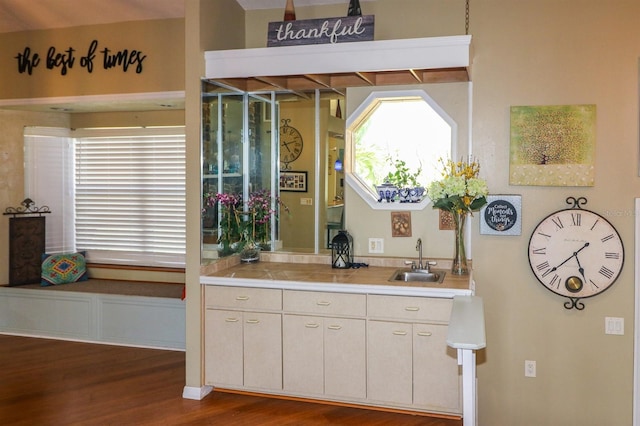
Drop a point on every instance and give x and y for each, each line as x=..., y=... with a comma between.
x=243, y=346
x=324, y=355
x=409, y=360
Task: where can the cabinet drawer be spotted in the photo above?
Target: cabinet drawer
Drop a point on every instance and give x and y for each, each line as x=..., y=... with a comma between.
x=318, y=302
x=243, y=298
x=409, y=308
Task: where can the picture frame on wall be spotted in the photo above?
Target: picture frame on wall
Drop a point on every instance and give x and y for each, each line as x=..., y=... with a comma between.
x=293, y=181
x=552, y=145
x=502, y=215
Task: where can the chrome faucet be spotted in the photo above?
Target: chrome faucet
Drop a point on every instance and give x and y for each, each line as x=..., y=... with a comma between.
x=419, y=248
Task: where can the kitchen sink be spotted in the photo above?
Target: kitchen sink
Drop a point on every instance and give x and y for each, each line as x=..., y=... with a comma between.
x=418, y=275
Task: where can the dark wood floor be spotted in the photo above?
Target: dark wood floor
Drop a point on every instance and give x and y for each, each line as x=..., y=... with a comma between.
x=50, y=382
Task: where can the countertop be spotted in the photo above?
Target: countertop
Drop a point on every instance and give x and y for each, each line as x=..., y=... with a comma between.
x=322, y=277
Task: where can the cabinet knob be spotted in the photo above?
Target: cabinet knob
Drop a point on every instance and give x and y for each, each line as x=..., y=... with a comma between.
x=253, y=321
x=231, y=320
x=424, y=333
x=335, y=327
x=242, y=298
x=323, y=303
x=312, y=325
x=412, y=308
x=400, y=333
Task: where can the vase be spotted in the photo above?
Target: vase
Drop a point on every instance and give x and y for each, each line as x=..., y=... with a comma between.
x=289, y=11
x=250, y=255
x=459, y=265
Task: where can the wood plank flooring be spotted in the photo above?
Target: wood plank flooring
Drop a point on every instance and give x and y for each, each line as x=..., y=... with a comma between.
x=51, y=382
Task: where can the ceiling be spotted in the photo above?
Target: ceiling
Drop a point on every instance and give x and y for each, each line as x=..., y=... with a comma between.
x=30, y=15
x=27, y=15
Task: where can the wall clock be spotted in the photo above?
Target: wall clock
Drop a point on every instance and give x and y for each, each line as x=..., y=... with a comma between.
x=576, y=253
x=291, y=144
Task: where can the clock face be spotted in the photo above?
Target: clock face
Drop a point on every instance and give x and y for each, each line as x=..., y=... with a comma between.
x=576, y=253
x=290, y=144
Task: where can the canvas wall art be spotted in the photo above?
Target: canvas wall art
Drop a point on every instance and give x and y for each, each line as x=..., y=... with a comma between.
x=553, y=145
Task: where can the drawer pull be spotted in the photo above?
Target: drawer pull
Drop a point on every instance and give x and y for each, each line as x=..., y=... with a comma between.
x=335, y=327
x=242, y=298
x=323, y=303
x=312, y=325
x=231, y=320
x=412, y=308
x=253, y=321
x=424, y=333
x=400, y=333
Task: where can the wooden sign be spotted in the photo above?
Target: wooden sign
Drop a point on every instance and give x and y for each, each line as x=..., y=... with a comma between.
x=320, y=31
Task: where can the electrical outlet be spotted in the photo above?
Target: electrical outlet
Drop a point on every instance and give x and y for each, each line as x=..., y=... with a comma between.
x=376, y=245
x=529, y=368
x=614, y=325
x=306, y=201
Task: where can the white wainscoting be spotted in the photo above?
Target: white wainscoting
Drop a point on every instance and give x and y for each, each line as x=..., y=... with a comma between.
x=156, y=322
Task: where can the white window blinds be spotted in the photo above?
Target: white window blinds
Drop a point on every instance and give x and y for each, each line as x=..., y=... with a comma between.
x=130, y=195
x=48, y=167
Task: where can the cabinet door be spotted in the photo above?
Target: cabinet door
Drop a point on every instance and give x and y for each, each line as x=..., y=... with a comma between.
x=262, y=350
x=436, y=383
x=303, y=354
x=389, y=369
x=345, y=363
x=223, y=348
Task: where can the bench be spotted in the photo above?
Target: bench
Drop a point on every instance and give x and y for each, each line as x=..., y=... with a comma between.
x=129, y=313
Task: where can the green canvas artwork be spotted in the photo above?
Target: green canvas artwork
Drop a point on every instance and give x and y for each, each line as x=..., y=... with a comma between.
x=553, y=145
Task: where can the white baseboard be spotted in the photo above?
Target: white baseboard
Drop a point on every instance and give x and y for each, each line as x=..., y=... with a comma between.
x=191, y=392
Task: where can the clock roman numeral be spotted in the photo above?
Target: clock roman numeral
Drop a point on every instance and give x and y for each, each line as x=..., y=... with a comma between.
x=607, y=238
x=576, y=219
x=542, y=266
x=595, y=223
x=544, y=235
x=555, y=281
x=557, y=222
x=609, y=255
x=542, y=250
x=606, y=272
x=594, y=284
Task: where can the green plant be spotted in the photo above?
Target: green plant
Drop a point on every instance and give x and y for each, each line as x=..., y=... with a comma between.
x=402, y=177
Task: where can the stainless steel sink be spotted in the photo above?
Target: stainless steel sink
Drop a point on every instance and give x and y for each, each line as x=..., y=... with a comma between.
x=418, y=275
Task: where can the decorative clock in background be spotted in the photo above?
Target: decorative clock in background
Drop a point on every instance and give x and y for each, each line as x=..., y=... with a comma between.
x=502, y=215
x=291, y=144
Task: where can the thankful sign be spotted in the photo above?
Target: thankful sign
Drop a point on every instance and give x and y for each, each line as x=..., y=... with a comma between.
x=321, y=31
x=65, y=60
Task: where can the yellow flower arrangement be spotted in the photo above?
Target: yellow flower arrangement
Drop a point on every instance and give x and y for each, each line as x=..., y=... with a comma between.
x=460, y=190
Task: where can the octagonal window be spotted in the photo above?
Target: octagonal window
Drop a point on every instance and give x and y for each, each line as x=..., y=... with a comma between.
x=398, y=138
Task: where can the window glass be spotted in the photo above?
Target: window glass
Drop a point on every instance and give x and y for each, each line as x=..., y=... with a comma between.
x=393, y=132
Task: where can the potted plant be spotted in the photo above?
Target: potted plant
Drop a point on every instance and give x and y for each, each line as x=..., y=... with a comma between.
x=406, y=181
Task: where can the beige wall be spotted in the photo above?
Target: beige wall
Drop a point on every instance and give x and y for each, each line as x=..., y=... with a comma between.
x=549, y=52
x=160, y=41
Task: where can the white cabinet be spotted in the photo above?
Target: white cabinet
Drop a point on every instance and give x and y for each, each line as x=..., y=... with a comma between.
x=383, y=350
x=243, y=348
x=324, y=355
x=409, y=362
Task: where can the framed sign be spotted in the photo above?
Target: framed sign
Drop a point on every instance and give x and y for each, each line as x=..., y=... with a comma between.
x=321, y=31
x=502, y=215
x=293, y=181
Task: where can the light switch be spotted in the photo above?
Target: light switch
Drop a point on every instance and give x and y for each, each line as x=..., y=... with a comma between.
x=614, y=325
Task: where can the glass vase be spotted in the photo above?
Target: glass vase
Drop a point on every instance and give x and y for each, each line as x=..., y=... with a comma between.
x=459, y=265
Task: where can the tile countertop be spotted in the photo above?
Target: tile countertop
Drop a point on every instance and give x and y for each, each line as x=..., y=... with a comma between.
x=322, y=277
